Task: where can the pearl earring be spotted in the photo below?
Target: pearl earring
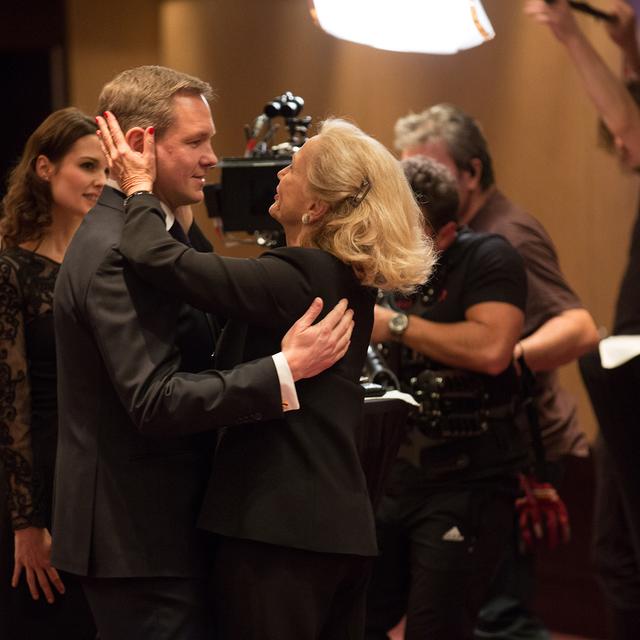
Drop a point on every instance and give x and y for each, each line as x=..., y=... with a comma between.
x=306, y=218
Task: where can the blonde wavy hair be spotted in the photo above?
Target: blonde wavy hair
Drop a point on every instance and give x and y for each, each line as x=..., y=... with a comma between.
x=373, y=222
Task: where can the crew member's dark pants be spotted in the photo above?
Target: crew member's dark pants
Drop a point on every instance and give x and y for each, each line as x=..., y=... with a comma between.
x=439, y=551
x=506, y=615
x=267, y=592
x=616, y=549
x=149, y=608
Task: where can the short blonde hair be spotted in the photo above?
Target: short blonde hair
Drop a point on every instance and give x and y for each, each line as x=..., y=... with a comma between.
x=142, y=96
x=380, y=235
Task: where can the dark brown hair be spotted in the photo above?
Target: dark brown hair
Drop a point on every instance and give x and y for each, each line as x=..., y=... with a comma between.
x=25, y=212
x=434, y=188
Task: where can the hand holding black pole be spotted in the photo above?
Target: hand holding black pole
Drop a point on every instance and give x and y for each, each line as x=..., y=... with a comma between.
x=585, y=7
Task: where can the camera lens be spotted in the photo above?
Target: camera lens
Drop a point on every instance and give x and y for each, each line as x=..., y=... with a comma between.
x=290, y=109
x=273, y=109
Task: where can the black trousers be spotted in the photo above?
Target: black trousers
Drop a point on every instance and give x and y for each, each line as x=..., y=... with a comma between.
x=149, y=608
x=507, y=614
x=616, y=542
x=267, y=592
x=439, y=550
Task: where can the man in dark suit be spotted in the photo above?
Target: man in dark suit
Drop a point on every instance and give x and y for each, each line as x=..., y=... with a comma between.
x=134, y=449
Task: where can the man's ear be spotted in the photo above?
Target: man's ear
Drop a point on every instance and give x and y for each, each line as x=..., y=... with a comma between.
x=135, y=138
x=446, y=235
x=44, y=168
x=475, y=173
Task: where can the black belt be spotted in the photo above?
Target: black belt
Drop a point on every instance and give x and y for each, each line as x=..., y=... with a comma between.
x=435, y=423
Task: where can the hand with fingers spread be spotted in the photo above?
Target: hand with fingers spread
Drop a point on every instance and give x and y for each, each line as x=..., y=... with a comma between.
x=312, y=348
x=135, y=167
x=542, y=515
x=33, y=555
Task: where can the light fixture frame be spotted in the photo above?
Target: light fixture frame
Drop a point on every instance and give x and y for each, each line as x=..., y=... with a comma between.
x=461, y=24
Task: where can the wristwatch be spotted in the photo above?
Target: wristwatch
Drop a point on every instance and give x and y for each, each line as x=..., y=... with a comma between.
x=398, y=325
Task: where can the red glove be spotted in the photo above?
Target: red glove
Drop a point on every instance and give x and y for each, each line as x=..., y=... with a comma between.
x=541, y=513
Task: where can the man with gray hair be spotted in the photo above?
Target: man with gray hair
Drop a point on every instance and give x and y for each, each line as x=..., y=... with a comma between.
x=557, y=328
x=137, y=389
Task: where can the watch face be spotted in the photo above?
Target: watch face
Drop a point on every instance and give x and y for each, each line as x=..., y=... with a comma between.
x=398, y=324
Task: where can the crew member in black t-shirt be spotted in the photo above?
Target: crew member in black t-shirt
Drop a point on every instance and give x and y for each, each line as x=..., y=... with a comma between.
x=448, y=510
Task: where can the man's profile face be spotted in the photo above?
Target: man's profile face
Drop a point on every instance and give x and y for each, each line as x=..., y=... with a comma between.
x=184, y=152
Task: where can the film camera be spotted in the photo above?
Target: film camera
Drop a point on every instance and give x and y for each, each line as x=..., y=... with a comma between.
x=248, y=183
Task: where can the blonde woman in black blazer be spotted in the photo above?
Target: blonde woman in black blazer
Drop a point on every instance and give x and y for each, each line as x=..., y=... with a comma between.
x=288, y=498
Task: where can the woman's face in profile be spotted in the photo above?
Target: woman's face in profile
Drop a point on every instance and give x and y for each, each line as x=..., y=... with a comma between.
x=293, y=197
x=78, y=178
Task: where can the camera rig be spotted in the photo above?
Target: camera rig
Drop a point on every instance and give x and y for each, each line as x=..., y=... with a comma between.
x=248, y=183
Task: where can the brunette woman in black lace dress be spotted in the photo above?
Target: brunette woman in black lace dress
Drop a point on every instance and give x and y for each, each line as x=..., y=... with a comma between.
x=58, y=179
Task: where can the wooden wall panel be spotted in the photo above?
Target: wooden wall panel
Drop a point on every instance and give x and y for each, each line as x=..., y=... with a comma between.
x=521, y=86
x=103, y=39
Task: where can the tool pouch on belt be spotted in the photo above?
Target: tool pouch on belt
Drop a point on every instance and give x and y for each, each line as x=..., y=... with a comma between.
x=458, y=404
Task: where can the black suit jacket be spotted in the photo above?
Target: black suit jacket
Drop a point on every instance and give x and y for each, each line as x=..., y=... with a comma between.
x=131, y=463
x=296, y=481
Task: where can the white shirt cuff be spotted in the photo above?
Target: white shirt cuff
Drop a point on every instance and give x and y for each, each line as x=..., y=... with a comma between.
x=287, y=385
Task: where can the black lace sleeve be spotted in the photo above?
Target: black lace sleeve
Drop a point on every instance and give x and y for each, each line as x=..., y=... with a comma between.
x=15, y=400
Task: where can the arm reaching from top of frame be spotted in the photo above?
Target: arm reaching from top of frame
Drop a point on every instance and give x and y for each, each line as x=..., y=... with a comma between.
x=607, y=92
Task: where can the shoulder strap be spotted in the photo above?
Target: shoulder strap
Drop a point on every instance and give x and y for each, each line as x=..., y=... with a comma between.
x=527, y=380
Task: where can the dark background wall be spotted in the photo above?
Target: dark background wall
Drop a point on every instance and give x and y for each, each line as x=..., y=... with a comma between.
x=32, y=69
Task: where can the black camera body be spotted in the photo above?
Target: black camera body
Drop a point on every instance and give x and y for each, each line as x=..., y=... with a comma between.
x=248, y=184
x=245, y=193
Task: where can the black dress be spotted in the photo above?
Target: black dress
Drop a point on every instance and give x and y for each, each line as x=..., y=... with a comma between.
x=28, y=433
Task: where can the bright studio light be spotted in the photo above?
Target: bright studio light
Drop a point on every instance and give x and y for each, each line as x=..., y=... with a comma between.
x=423, y=26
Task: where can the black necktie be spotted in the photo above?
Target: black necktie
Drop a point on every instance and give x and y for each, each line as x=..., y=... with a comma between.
x=177, y=233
